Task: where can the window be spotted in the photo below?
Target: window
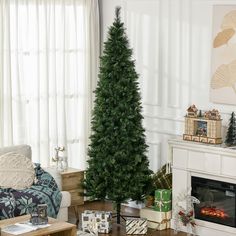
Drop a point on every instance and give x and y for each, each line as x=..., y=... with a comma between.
x=45, y=55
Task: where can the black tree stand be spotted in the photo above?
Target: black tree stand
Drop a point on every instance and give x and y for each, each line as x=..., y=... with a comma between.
x=118, y=215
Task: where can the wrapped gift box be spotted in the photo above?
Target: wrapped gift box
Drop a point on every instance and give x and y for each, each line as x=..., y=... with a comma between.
x=97, y=221
x=156, y=220
x=82, y=233
x=136, y=226
x=163, y=200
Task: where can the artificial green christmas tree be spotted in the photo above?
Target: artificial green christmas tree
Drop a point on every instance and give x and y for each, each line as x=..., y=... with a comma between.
x=231, y=133
x=118, y=165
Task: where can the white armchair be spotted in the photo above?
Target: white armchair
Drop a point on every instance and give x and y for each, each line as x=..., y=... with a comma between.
x=66, y=197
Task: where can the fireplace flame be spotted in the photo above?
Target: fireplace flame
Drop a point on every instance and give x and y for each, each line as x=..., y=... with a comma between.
x=214, y=212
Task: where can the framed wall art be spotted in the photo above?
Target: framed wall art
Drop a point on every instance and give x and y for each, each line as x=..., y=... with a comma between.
x=223, y=77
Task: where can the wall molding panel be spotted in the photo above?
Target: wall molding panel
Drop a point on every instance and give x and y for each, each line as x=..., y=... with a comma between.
x=171, y=41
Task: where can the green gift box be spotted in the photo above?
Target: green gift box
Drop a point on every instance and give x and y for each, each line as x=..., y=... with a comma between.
x=163, y=200
x=163, y=194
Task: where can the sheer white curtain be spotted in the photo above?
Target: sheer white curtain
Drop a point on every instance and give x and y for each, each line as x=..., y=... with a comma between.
x=172, y=42
x=48, y=69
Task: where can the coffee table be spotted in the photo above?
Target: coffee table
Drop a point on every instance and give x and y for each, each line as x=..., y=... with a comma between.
x=56, y=228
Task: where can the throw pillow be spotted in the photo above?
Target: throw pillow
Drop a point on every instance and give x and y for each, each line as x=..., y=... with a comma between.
x=16, y=171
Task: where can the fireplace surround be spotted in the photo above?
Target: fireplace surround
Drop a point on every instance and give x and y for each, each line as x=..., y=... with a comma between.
x=214, y=166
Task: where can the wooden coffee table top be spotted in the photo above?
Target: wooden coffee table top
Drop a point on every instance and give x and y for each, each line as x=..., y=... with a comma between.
x=56, y=227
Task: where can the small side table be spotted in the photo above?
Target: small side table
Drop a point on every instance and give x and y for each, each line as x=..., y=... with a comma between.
x=72, y=182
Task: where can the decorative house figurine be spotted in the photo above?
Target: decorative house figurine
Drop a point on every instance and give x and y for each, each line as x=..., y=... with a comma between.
x=212, y=115
x=206, y=129
x=192, y=111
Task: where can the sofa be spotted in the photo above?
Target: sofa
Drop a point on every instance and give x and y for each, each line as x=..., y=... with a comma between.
x=43, y=176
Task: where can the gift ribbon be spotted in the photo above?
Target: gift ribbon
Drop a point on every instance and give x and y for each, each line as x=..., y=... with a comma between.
x=164, y=221
x=93, y=227
x=161, y=203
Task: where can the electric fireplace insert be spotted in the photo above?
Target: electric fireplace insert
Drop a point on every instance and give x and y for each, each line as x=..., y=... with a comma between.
x=217, y=201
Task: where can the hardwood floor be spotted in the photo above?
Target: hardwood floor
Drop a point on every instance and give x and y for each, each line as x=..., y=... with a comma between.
x=118, y=230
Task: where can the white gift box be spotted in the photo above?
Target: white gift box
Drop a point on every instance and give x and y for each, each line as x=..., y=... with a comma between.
x=136, y=226
x=155, y=219
x=82, y=233
x=97, y=221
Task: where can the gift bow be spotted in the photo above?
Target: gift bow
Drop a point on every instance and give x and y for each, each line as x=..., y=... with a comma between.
x=160, y=203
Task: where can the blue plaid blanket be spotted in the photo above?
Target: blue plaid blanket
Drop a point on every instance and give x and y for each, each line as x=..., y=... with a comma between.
x=20, y=202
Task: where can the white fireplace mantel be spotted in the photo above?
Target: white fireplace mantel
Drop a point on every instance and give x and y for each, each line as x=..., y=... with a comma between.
x=202, y=160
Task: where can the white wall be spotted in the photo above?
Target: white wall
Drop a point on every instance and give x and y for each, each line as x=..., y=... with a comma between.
x=172, y=48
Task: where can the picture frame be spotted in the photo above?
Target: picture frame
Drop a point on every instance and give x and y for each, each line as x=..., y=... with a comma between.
x=223, y=73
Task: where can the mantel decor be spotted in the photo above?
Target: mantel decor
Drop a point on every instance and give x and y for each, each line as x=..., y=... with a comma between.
x=205, y=128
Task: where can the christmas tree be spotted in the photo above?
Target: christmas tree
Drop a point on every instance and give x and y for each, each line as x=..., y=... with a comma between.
x=231, y=133
x=118, y=165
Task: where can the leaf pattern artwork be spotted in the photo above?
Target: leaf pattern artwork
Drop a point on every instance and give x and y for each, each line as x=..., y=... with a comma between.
x=225, y=76
x=223, y=66
x=20, y=202
x=223, y=37
x=229, y=20
x=228, y=27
